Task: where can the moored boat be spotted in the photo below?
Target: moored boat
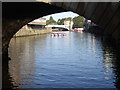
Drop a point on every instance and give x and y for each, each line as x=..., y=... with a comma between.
x=78, y=29
x=58, y=34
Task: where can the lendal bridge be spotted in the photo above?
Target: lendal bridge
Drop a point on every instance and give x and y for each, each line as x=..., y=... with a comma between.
x=59, y=26
x=17, y=14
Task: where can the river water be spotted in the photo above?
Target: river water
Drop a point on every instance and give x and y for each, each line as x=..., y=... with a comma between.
x=77, y=60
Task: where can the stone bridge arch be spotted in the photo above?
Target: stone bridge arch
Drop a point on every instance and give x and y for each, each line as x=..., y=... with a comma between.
x=16, y=15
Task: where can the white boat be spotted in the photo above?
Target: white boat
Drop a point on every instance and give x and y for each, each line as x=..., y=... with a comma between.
x=78, y=29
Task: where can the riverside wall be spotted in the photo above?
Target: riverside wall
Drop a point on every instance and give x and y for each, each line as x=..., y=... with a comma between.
x=28, y=31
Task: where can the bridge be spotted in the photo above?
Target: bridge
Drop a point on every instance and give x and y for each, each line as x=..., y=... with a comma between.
x=59, y=26
x=17, y=14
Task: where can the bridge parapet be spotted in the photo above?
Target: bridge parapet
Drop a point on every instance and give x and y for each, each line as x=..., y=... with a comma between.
x=59, y=26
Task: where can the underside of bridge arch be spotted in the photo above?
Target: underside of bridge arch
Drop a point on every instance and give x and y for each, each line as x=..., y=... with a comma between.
x=16, y=15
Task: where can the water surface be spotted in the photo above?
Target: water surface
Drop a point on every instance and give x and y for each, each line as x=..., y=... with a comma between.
x=77, y=60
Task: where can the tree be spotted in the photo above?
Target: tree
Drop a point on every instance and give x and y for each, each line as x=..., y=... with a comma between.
x=78, y=21
x=51, y=21
x=68, y=19
x=61, y=21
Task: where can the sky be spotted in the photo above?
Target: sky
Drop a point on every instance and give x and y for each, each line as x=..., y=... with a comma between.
x=61, y=15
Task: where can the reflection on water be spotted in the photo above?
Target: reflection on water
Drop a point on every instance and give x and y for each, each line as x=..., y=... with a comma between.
x=77, y=60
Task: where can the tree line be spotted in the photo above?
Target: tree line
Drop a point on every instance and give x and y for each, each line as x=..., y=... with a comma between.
x=77, y=21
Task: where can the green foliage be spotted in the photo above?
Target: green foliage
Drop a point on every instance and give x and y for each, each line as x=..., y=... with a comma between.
x=78, y=21
x=51, y=21
x=61, y=21
x=68, y=19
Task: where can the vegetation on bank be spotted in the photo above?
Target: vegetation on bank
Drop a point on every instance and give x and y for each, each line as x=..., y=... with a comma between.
x=51, y=21
x=77, y=21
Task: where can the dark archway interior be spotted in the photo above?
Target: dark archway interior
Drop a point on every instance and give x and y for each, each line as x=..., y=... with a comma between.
x=16, y=15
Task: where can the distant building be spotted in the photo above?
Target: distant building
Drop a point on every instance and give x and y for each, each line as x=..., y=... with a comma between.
x=40, y=21
x=33, y=28
x=87, y=24
x=69, y=23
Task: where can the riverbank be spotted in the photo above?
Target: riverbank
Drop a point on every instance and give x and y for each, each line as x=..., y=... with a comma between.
x=28, y=31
